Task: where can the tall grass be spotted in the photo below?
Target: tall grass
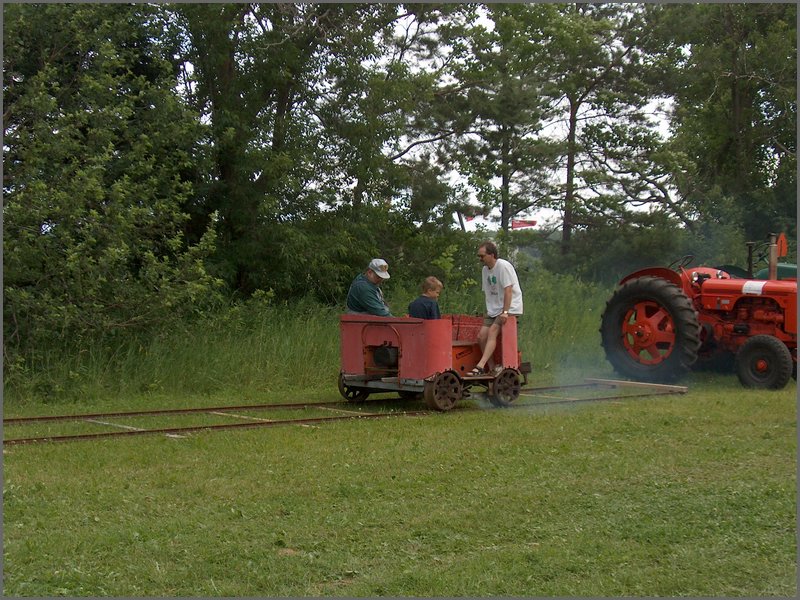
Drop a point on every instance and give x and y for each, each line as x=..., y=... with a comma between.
x=559, y=330
x=259, y=346
x=246, y=350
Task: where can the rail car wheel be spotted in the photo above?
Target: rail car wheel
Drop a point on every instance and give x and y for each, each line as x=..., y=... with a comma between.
x=505, y=388
x=443, y=391
x=350, y=393
x=764, y=362
x=650, y=330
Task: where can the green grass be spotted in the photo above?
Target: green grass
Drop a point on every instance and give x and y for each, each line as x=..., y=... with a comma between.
x=691, y=495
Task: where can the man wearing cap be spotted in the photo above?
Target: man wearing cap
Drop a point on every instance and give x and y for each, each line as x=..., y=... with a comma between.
x=365, y=296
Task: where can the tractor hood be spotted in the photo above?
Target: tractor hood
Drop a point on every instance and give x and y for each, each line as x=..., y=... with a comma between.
x=749, y=287
x=727, y=294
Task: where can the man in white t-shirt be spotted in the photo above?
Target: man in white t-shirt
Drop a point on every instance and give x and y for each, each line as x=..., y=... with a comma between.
x=503, y=298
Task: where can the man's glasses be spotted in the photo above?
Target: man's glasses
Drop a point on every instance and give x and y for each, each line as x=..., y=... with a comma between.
x=481, y=256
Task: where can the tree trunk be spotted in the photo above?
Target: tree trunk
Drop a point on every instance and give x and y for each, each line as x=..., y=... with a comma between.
x=569, y=196
x=506, y=183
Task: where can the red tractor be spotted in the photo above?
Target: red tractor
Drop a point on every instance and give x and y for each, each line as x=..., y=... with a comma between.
x=661, y=321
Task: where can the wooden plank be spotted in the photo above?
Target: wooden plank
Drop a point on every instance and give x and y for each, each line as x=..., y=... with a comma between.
x=639, y=384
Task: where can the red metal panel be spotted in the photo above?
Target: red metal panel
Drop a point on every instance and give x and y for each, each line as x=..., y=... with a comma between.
x=723, y=294
x=352, y=350
x=507, y=345
x=466, y=329
x=424, y=345
x=426, y=348
x=465, y=356
x=791, y=315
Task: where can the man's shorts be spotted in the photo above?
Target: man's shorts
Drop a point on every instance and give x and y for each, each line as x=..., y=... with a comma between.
x=489, y=321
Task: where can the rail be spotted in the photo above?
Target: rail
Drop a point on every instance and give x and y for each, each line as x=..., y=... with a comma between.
x=642, y=390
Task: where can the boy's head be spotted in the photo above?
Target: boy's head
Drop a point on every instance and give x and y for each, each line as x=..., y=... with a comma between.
x=432, y=287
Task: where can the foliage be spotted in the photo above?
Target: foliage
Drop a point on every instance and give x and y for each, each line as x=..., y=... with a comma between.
x=609, y=253
x=735, y=89
x=598, y=77
x=315, y=125
x=499, y=110
x=162, y=159
x=99, y=158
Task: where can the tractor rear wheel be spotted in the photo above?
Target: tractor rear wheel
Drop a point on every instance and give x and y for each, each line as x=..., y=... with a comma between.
x=650, y=330
x=443, y=391
x=764, y=362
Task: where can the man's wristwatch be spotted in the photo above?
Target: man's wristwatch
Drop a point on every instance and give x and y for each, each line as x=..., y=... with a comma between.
x=505, y=312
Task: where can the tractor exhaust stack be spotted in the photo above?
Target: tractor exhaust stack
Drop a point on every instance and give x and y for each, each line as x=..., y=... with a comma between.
x=773, y=256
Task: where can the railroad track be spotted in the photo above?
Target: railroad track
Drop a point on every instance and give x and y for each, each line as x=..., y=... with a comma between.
x=250, y=422
x=227, y=411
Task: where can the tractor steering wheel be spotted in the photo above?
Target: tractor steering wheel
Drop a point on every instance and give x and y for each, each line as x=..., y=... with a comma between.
x=761, y=255
x=683, y=261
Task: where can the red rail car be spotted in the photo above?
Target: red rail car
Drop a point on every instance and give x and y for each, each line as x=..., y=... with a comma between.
x=431, y=358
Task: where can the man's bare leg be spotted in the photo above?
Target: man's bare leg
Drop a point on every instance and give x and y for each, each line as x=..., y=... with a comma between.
x=487, y=338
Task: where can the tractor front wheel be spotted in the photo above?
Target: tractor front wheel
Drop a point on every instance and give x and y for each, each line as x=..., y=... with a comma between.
x=650, y=330
x=764, y=362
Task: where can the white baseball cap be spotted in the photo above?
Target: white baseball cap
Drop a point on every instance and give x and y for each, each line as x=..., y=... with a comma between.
x=380, y=267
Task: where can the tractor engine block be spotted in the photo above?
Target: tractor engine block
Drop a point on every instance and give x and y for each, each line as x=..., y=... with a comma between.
x=752, y=316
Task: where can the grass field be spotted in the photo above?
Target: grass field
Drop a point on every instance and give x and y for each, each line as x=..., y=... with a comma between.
x=690, y=495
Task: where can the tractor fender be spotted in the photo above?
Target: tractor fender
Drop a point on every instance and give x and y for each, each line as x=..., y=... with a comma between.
x=661, y=272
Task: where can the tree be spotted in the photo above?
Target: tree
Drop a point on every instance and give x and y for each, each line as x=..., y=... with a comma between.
x=307, y=105
x=600, y=76
x=97, y=148
x=557, y=97
x=500, y=109
x=253, y=65
x=734, y=77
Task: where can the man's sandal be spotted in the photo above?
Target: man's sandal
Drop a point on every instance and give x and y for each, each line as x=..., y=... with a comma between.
x=476, y=372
